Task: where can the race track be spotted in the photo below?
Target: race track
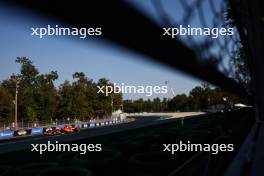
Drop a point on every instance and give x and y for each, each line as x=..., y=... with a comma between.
x=142, y=121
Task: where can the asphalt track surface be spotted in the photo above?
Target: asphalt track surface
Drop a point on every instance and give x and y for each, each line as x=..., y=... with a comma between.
x=25, y=143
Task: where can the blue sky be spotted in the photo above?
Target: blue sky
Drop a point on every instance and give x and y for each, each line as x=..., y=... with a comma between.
x=95, y=59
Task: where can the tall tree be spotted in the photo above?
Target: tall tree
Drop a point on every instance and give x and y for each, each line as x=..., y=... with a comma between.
x=6, y=106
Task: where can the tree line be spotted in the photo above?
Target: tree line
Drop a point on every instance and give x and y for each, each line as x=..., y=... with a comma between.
x=200, y=98
x=40, y=100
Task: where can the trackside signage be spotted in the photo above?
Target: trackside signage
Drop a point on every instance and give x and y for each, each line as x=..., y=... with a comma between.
x=35, y=131
x=6, y=134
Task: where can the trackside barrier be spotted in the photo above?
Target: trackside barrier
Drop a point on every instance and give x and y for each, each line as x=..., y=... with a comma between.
x=40, y=131
x=28, y=131
x=6, y=134
x=36, y=131
x=79, y=125
x=61, y=126
x=102, y=123
x=91, y=125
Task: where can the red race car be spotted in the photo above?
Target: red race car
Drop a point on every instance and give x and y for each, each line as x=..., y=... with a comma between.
x=67, y=129
x=70, y=129
x=51, y=132
x=56, y=131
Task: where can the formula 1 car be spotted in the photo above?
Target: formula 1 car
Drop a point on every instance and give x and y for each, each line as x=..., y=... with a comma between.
x=48, y=132
x=21, y=132
x=70, y=129
x=51, y=132
x=67, y=129
x=57, y=130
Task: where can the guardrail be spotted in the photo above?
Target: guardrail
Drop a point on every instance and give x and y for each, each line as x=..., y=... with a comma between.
x=40, y=130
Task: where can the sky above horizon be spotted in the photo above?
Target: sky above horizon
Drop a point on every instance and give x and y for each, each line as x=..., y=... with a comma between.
x=96, y=59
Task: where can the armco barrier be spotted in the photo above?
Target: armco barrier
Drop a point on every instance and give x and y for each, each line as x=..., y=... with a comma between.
x=39, y=131
x=91, y=125
x=28, y=131
x=79, y=125
x=61, y=126
x=36, y=131
x=6, y=134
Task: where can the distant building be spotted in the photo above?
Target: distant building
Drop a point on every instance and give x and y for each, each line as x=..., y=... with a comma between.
x=118, y=115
